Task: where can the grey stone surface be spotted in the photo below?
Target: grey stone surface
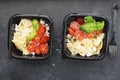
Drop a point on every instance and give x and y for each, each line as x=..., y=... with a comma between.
x=56, y=68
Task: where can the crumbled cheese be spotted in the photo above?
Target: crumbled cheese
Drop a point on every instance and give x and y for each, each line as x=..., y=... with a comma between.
x=42, y=22
x=89, y=54
x=33, y=53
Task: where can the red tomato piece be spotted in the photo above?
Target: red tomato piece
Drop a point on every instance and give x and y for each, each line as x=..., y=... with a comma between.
x=37, y=50
x=70, y=31
x=44, y=48
x=32, y=43
x=80, y=21
x=39, y=35
x=31, y=48
x=44, y=39
x=91, y=35
x=99, y=32
x=74, y=25
x=79, y=35
x=41, y=31
x=39, y=24
x=37, y=39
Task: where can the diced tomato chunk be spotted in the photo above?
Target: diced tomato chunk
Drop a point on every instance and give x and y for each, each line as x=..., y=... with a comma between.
x=91, y=35
x=79, y=34
x=99, y=32
x=31, y=48
x=44, y=39
x=70, y=31
x=37, y=39
x=32, y=43
x=41, y=31
x=37, y=50
x=44, y=48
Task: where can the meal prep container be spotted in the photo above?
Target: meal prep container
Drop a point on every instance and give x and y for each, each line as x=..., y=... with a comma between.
x=15, y=19
x=69, y=18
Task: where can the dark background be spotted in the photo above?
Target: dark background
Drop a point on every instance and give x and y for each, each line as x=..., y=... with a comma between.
x=55, y=67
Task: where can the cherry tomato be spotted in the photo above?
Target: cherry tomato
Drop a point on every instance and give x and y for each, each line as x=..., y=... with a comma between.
x=44, y=48
x=80, y=21
x=39, y=24
x=44, y=39
x=70, y=31
x=41, y=30
x=39, y=35
x=32, y=43
x=74, y=25
x=37, y=50
x=79, y=34
x=37, y=39
x=31, y=48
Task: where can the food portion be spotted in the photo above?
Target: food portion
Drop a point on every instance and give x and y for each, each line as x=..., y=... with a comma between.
x=32, y=37
x=85, y=36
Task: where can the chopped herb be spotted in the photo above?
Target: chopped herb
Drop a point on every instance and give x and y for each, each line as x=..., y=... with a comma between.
x=27, y=44
x=95, y=36
x=74, y=39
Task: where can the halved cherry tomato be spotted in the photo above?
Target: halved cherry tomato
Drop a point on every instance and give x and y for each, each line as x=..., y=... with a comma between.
x=70, y=31
x=44, y=48
x=79, y=34
x=37, y=50
x=31, y=48
x=41, y=30
x=74, y=25
x=44, y=39
x=80, y=21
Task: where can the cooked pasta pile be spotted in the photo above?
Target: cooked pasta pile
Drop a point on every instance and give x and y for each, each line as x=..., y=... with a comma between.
x=85, y=47
x=21, y=34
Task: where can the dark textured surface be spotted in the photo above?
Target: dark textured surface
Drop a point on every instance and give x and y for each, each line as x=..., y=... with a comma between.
x=55, y=68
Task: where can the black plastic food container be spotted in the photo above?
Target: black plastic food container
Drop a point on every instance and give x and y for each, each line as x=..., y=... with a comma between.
x=15, y=19
x=71, y=17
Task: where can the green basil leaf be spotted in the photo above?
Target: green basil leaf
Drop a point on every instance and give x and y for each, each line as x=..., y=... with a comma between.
x=89, y=19
x=100, y=25
x=35, y=24
x=32, y=35
x=88, y=27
